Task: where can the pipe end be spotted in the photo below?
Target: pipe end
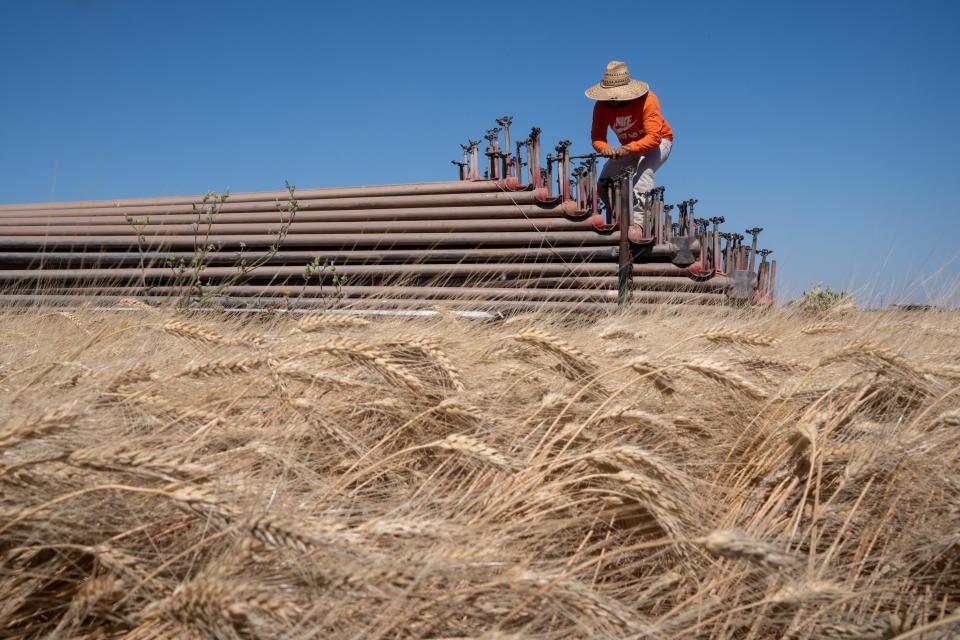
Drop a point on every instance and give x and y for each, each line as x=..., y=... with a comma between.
x=542, y=195
x=700, y=273
x=635, y=235
x=600, y=226
x=511, y=184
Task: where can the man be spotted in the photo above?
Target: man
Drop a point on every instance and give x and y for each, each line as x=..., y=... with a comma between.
x=633, y=112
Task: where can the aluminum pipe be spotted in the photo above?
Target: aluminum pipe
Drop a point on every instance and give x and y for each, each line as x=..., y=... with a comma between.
x=390, y=271
x=426, y=292
x=421, y=188
x=676, y=282
x=102, y=301
x=273, y=217
x=375, y=305
x=387, y=256
x=329, y=204
x=382, y=240
x=296, y=228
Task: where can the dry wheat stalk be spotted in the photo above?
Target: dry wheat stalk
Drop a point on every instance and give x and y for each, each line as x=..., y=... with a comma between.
x=246, y=339
x=494, y=634
x=949, y=418
x=323, y=322
x=942, y=354
x=119, y=562
x=805, y=435
x=841, y=310
x=731, y=543
x=254, y=551
x=687, y=423
x=365, y=354
x=472, y=447
x=639, y=458
x=589, y=536
x=161, y=404
x=939, y=331
x=618, y=333
x=824, y=327
x=136, y=304
x=653, y=372
x=883, y=628
x=380, y=577
x=94, y=593
x=552, y=402
x=721, y=334
x=777, y=364
x=201, y=502
x=662, y=585
x=303, y=403
x=140, y=372
x=73, y=318
x=655, y=496
x=460, y=410
x=230, y=365
x=573, y=358
x=314, y=414
x=635, y=415
x=951, y=371
x=724, y=375
x=83, y=371
x=872, y=354
x=134, y=461
x=274, y=532
x=402, y=528
x=223, y=609
x=647, y=486
x=621, y=350
x=575, y=431
x=520, y=318
x=191, y=331
x=704, y=608
x=37, y=426
x=296, y=372
x=808, y=591
x=900, y=326
x=580, y=596
x=433, y=353
x=859, y=462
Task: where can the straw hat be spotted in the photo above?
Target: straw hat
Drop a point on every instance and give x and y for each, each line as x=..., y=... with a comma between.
x=617, y=84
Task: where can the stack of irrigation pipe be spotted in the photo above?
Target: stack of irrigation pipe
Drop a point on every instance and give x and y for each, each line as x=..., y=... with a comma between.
x=498, y=239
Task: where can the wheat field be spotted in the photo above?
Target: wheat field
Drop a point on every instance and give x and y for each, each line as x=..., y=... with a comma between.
x=693, y=474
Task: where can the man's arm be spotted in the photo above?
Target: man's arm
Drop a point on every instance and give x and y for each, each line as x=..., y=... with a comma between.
x=598, y=132
x=652, y=119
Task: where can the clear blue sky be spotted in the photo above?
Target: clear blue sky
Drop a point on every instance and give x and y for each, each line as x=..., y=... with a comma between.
x=831, y=124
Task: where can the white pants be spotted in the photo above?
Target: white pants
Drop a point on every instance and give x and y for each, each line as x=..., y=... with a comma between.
x=644, y=168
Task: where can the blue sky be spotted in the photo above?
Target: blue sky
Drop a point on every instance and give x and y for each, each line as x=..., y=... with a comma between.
x=833, y=125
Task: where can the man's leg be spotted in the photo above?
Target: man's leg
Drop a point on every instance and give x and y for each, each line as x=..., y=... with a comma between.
x=645, y=177
x=611, y=169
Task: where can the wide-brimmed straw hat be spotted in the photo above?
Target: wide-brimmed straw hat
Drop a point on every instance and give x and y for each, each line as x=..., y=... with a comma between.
x=617, y=84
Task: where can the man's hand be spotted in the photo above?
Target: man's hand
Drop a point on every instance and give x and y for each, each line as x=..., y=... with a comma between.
x=610, y=152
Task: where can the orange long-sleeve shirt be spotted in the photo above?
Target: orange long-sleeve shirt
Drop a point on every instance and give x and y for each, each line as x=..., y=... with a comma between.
x=639, y=125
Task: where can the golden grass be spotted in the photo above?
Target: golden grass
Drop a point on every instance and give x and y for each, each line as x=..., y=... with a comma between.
x=701, y=474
